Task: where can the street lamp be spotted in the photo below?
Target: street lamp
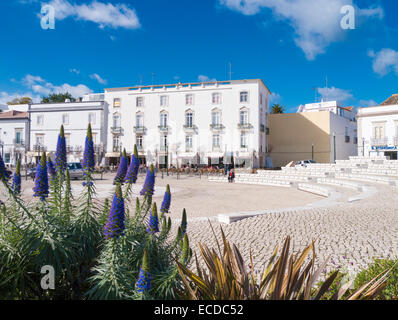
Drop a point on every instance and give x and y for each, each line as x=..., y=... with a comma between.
x=312, y=151
x=334, y=146
x=363, y=147
x=167, y=159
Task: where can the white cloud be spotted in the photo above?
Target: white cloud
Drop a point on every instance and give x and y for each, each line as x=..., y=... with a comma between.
x=367, y=103
x=384, y=61
x=40, y=86
x=335, y=94
x=104, y=14
x=98, y=78
x=73, y=70
x=274, y=98
x=316, y=22
x=203, y=78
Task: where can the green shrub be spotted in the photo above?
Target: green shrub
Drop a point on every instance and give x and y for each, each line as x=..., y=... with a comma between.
x=390, y=292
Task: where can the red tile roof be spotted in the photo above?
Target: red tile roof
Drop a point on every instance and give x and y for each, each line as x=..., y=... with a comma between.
x=13, y=114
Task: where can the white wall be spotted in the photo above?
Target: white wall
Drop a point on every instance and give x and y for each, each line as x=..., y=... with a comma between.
x=202, y=107
x=7, y=136
x=344, y=150
x=76, y=127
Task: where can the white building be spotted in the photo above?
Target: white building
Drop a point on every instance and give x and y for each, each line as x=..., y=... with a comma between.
x=46, y=120
x=14, y=136
x=198, y=123
x=378, y=129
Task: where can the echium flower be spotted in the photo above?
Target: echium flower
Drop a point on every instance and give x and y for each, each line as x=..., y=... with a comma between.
x=132, y=172
x=51, y=168
x=149, y=183
x=41, y=180
x=122, y=169
x=166, y=201
x=16, y=180
x=144, y=278
x=88, y=156
x=60, y=153
x=4, y=174
x=184, y=222
x=153, y=220
x=115, y=224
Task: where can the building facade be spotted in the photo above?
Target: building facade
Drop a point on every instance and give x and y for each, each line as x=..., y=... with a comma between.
x=14, y=136
x=323, y=132
x=378, y=129
x=218, y=122
x=46, y=119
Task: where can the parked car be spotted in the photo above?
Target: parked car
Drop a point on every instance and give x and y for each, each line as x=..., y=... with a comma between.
x=303, y=163
x=31, y=172
x=75, y=170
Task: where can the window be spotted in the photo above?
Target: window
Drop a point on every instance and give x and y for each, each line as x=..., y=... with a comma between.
x=243, y=117
x=163, y=119
x=163, y=101
x=243, y=140
x=65, y=118
x=40, y=139
x=215, y=118
x=18, y=136
x=116, y=120
x=116, y=143
x=138, y=142
x=244, y=96
x=140, y=101
x=139, y=120
x=188, y=142
x=216, y=98
x=39, y=120
x=94, y=138
x=163, y=142
x=91, y=118
x=7, y=157
x=261, y=98
x=378, y=131
x=189, y=99
x=67, y=139
x=216, y=141
x=189, y=119
x=116, y=102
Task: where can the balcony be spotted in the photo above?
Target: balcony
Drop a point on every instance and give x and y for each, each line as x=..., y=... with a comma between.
x=116, y=130
x=262, y=128
x=163, y=148
x=77, y=149
x=379, y=142
x=140, y=147
x=216, y=127
x=244, y=126
x=39, y=148
x=116, y=149
x=19, y=142
x=139, y=129
x=69, y=149
x=189, y=128
x=163, y=129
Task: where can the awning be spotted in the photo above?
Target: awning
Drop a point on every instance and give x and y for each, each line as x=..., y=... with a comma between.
x=112, y=155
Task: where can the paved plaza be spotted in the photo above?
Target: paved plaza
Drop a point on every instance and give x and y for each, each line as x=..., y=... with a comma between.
x=351, y=233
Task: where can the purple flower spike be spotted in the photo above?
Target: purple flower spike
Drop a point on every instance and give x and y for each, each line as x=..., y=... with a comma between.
x=88, y=155
x=132, y=173
x=149, y=184
x=144, y=278
x=122, y=169
x=115, y=224
x=41, y=180
x=166, y=201
x=60, y=153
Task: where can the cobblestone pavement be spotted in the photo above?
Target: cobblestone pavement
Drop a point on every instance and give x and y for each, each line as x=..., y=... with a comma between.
x=351, y=234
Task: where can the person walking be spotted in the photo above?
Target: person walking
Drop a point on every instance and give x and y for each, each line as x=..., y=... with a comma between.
x=231, y=176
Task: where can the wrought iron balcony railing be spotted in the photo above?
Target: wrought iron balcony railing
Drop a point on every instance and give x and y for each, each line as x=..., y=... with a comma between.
x=244, y=126
x=379, y=142
x=139, y=129
x=216, y=127
x=116, y=130
x=163, y=128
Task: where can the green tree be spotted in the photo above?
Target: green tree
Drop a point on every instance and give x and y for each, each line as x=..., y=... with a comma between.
x=57, y=98
x=277, y=108
x=22, y=100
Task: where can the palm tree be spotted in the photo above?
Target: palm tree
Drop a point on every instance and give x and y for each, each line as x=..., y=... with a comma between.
x=277, y=108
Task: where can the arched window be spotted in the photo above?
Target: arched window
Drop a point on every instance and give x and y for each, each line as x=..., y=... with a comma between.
x=189, y=118
x=163, y=119
x=243, y=116
x=215, y=117
x=116, y=120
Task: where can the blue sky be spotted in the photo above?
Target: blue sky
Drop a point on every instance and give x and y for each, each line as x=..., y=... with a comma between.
x=293, y=45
